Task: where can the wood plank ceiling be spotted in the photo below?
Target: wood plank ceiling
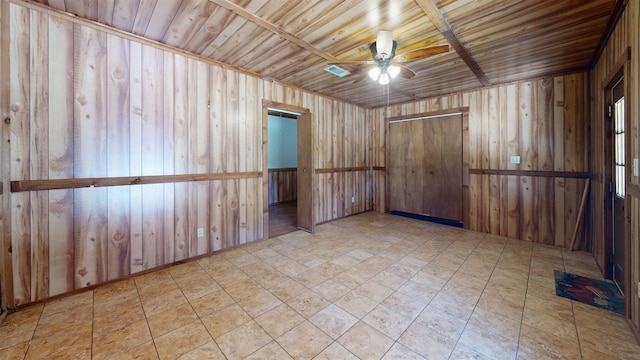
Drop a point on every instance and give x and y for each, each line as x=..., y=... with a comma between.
x=491, y=42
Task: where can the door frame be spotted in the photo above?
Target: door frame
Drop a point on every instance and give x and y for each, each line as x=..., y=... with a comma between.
x=619, y=70
x=266, y=105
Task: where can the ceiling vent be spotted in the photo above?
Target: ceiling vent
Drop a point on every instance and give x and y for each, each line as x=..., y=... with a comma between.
x=337, y=71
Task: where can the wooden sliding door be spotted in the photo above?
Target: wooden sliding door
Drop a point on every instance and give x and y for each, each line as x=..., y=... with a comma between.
x=305, y=173
x=425, y=166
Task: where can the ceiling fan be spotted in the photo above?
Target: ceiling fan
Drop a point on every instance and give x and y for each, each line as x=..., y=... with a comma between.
x=383, y=52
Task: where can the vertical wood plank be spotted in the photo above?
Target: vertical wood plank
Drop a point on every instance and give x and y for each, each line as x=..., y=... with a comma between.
x=192, y=155
x=6, y=275
x=546, y=200
x=119, y=261
x=19, y=137
x=255, y=103
x=61, y=244
x=218, y=106
x=242, y=158
x=572, y=196
x=230, y=160
x=545, y=140
x=559, y=212
x=558, y=158
x=484, y=156
x=545, y=125
x=494, y=155
x=90, y=134
x=135, y=155
x=504, y=121
x=39, y=154
x=513, y=141
x=528, y=208
x=168, y=167
x=572, y=125
x=152, y=153
x=201, y=99
x=474, y=160
x=181, y=157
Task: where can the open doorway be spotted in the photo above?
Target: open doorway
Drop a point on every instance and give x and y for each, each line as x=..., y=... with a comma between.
x=283, y=168
x=288, y=188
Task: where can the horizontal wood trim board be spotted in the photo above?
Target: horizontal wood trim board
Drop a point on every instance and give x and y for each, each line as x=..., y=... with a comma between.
x=341, y=170
x=58, y=184
x=554, y=174
x=283, y=107
x=282, y=169
x=430, y=114
x=379, y=168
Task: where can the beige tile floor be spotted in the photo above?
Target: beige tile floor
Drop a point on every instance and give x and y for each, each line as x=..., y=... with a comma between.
x=372, y=286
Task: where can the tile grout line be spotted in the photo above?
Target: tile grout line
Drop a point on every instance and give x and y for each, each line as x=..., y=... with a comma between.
x=482, y=292
x=33, y=333
x=573, y=312
x=511, y=252
x=146, y=319
x=526, y=292
x=234, y=302
x=251, y=316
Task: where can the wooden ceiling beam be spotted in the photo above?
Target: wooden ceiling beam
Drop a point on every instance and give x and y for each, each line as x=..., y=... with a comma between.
x=240, y=11
x=433, y=13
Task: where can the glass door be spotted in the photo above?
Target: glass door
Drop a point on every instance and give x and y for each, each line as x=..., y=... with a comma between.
x=618, y=179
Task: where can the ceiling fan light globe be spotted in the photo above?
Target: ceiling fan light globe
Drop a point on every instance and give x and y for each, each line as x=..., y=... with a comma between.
x=393, y=71
x=384, y=43
x=384, y=79
x=374, y=73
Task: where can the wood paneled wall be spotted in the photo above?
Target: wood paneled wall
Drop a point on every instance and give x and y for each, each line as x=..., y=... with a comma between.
x=545, y=122
x=282, y=185
x=86, y=102
x=625, y=37
x=342, y=164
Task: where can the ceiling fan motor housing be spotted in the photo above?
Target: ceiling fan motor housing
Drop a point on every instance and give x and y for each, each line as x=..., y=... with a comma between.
x=383, y=61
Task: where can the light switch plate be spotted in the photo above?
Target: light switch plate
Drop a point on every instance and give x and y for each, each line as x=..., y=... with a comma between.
x=635, y=167
x=200, y=232
x=515, y=159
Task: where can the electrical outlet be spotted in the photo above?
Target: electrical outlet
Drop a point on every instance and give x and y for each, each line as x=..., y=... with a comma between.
x=353, y=199
x=515, y=159
x=200, y=232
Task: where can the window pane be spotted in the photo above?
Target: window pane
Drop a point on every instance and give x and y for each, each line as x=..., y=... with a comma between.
x=618, y=139
x=620, y=190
